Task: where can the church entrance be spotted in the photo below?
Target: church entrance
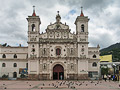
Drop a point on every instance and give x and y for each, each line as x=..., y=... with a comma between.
x=58, y=72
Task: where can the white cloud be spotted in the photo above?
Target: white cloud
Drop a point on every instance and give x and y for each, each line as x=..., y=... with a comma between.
x=103, y=25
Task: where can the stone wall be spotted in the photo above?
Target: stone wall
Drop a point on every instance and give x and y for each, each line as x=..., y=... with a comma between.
x=83, y=77
x=33, y=77
x=44, y=76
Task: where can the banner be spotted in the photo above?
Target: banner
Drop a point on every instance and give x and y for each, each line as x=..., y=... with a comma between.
x=23, y=71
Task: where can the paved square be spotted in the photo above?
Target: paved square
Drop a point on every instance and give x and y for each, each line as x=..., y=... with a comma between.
x=60, y=85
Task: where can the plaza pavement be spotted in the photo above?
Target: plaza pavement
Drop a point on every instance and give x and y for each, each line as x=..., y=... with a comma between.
x=60, y=85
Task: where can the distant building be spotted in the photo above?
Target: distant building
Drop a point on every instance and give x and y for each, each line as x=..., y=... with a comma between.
x=55, y=54
x=12, y=60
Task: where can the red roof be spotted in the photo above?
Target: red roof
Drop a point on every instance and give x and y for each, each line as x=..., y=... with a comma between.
x=33, y=14
x=81, y=14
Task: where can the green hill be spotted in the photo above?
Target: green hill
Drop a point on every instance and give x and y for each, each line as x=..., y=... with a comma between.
x=114, y=50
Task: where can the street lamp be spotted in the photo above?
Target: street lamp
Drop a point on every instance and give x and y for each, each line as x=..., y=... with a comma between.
x=114, y=66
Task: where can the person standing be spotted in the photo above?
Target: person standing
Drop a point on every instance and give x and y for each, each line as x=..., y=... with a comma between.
x=105, y=77
x=113, y=77
x=109, y=76
x=61, y=77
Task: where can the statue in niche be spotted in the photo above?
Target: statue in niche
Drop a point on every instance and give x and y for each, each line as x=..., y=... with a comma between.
x=71, y=51
x=72, y=66
x=44, y=66
x=44, y=51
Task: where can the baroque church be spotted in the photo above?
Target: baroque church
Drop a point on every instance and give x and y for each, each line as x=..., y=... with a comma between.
x=56, y=54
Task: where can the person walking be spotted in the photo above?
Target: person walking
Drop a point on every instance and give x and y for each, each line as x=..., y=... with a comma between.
x=113, y=77
x=105, y=77
x=109, y=76
x=61, y=77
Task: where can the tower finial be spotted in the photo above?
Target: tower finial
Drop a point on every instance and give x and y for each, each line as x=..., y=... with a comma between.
x=98, y=46
x=58, y=12
x=58, y=17
x=81, y=8
x=33, y=7
x=34, y=14
x=81, y=12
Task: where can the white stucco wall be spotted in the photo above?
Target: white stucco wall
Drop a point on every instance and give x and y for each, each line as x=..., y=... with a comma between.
x=9, y=69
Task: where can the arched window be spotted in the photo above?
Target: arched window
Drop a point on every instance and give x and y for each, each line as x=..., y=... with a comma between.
x=94, y=56
x=82, y=28
x=3, y=65
x=3, y=56
x=94, y=64
x=58, y=51
x=33, y=27
x=15, y=56
x=15, y=65
x=33, y=49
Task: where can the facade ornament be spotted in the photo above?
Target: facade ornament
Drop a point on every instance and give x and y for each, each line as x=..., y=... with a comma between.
x=58, y=18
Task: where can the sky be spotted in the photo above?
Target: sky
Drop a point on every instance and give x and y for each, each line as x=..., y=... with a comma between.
x=103, y=27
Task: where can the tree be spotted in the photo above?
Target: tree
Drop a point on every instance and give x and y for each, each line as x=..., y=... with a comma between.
x=104, y=70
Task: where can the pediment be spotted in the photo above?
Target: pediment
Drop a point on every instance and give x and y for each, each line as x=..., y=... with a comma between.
x=57, y=26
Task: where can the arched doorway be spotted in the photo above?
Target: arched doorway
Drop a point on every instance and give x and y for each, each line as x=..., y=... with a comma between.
x=58, y=72
x=14, y=74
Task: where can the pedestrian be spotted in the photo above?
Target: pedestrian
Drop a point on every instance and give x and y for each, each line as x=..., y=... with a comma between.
x=105, y=77
x=68, y=77
x=109, y=76
x=113, y=77
x=61, y=77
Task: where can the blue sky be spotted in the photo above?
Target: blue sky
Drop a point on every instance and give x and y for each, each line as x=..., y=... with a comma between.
x=72, y=12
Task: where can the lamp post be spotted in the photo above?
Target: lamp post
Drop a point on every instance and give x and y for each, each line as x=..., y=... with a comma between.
x=114, y=67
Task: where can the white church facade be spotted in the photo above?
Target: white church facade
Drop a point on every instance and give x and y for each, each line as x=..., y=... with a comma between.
x=53, y=55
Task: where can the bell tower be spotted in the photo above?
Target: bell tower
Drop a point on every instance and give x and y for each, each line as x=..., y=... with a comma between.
x=82, y=34
x=33, y=34
x=82, y=44
x=33, y=44
x=33, y=22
